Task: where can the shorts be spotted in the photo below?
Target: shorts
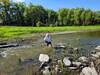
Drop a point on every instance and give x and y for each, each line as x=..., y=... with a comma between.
x=48, y=43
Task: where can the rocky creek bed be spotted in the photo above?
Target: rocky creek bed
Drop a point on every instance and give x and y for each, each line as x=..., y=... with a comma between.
x=25, y=52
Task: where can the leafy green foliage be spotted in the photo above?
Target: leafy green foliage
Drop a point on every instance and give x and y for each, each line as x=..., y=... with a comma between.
x=29, y=15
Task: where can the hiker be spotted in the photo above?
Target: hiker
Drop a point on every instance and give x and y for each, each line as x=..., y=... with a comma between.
x=48, y=39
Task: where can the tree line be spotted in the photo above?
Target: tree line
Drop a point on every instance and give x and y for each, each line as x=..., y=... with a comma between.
x=20, y=14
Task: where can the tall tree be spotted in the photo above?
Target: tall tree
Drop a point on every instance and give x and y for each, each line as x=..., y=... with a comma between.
x=88, y=17
x=5, y=4
x=35, y=14
x=31, y=15
x=52, y=17
x=77, y=16
x=97, y=17
x=63, y=16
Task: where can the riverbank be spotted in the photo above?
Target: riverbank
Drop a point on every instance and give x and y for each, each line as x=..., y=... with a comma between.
x=16, y=32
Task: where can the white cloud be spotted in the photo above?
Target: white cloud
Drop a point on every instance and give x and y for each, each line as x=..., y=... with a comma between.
x=19, y=0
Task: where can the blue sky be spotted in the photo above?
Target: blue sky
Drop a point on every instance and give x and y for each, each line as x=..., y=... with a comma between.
x=57, y=4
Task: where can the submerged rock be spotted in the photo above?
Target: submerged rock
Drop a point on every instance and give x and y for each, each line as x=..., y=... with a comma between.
x=3, y=54
x=59, y=46
x=9, y=45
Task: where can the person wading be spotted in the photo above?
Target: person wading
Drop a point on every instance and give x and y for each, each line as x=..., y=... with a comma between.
x=48, y=39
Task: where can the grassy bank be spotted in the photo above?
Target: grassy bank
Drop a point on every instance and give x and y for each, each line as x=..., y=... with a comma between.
x=13, y=31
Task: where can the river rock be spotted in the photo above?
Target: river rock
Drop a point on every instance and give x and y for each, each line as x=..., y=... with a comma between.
x=58, y=70
x=59, y=45
x=93, y=58
x=46, y=71
x=44, y=58
x=83, y=59
x=98, y=53
x=76, y=63
x=98, y=48
x=3, y=54
x=76, y=49
x=86, y=71
x=93, y=70
x=59, y=62
x=72, y=68
x=95, y=55
x=66, y=61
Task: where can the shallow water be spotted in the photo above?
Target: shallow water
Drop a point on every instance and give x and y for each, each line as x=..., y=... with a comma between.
x=85, y=41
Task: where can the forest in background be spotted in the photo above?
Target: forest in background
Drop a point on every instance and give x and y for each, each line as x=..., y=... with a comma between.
x=21, y=14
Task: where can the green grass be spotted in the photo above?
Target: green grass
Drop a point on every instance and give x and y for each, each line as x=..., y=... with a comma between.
x=14, y=31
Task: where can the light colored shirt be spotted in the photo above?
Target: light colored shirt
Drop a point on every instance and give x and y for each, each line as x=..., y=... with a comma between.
x=47, y=38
